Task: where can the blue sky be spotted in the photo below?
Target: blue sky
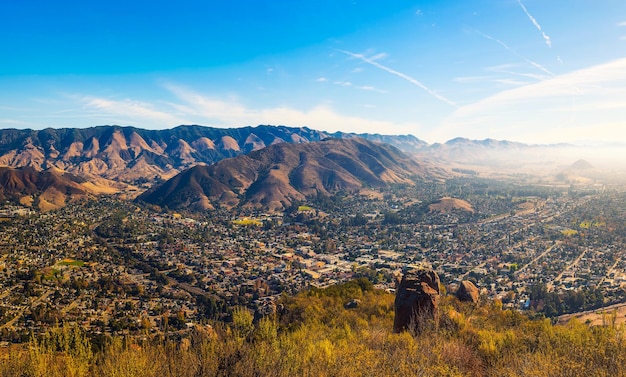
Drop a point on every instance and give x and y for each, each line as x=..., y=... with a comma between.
x=533, y=71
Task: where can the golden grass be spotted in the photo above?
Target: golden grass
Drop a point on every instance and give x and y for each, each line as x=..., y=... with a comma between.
x=99, y=188
x=71, y=262
x=446, y=205
x=569, y=232
x=247, y=222
x=318, y=337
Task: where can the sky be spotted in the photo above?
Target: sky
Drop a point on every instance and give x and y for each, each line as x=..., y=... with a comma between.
x=533, y=71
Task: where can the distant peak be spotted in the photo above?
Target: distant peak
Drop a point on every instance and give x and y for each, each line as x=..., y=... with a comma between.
x=581, y=164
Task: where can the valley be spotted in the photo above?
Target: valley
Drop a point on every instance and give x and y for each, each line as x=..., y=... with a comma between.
x=218, y=219
x=118, y=267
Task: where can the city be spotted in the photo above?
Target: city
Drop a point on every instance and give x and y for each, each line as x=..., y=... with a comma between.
x=118, y=267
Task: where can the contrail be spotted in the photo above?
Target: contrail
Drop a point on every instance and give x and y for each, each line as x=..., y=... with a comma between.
x=536, y=65
x=534, y=21
x=399, y=74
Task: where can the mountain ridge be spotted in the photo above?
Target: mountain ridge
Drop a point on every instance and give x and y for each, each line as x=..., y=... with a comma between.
x=275, y=176
x=135, y=155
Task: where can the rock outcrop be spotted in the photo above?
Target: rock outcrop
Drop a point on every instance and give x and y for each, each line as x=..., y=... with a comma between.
x=352, y=304
x=417, y=300
x=467, y=292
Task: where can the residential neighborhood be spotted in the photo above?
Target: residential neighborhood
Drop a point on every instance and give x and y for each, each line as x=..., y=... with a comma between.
x=115, y=266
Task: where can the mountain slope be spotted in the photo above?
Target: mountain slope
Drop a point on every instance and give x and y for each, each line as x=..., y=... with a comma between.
x=273, y=177
x=49, y=189
x=136, y=156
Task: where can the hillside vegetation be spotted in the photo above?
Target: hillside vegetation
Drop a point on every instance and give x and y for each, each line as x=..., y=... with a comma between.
x=315, y=335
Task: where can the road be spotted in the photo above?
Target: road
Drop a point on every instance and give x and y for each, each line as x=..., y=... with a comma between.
x=557, y=243
x=23, y=309
x=610, y=270
x=550, y=285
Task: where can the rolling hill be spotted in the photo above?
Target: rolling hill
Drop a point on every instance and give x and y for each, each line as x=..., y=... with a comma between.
x=46, y=190
x=273, y=177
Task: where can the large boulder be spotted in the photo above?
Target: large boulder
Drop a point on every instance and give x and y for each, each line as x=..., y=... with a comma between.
x=467, y=292
x=417, y=300
x=352, y=304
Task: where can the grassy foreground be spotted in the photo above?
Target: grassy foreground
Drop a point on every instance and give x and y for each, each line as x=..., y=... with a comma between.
x=317, y=336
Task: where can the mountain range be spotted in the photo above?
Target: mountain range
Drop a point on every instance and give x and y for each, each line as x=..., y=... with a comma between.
x=137, y=156
x=273, y=177
x=129, y=160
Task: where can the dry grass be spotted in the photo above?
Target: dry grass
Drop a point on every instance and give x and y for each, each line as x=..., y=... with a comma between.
x=445, y=205
x=318, y=337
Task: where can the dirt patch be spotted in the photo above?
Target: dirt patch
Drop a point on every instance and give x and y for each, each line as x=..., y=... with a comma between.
x=445, y=205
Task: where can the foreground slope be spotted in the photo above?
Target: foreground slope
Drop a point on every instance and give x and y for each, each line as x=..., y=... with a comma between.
x=275, y=176
x=316, y=335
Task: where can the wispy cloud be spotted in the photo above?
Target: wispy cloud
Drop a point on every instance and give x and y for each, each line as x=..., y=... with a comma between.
x=379, y=56
x=511, y=82
x=508, y=69
x=534, y=21
x=13, y=108
x=471, y=79
x=232, y=113
x=621, y=24
x=371, y=89
x=321, y=79
x=552, y=109
x=399, y=74
x=127, y=110
x=343, y=83
x=511, y=50
x=10, y=123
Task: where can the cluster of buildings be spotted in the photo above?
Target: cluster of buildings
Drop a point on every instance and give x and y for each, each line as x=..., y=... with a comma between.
x=114, y=266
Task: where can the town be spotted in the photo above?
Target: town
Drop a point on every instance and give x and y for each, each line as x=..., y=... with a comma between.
x=120, y=267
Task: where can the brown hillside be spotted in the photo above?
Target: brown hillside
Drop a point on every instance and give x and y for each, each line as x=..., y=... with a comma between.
x=445, y=205
x=52, y=187
x=273, y=177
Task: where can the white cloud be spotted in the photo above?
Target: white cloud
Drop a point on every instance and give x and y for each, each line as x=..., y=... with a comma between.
x=343, y=83
x=128, y=111
x=325, y=118
x=12, y=123
x=622, y=24
x=379, y=56
x=321, y=79
x=399, y=74
x=511, y=50
x=372, y=89
x=534, y=21
x=471, y=79
x=585, y=104
x=231, y=113
x=512, y=82
x=502, y=69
